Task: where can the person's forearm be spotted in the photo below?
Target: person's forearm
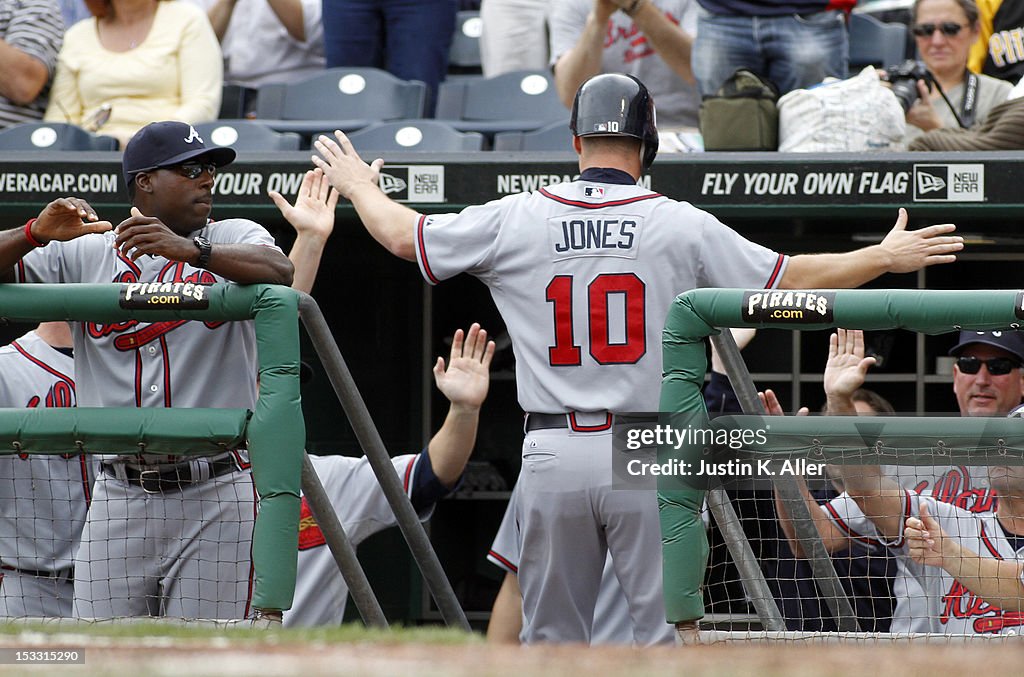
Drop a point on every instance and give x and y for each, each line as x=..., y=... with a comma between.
x=507, y=613
x=305, y=257
x=289, y=13
x=839, y=404
x=835, y=271
x=220, y=16
x=390, y=223
x=879, y=497
x=451, y=446
x=24, y=76
x=249, y=264
x=670, y=41
x=833, y=540
x=13, y=246
x=583, y=61
x=995, y=581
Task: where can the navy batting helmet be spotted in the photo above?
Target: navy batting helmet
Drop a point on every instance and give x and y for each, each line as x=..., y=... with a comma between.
x=613, y=104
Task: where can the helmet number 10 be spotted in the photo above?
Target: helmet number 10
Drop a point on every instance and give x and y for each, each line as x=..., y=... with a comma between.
x=565, y=352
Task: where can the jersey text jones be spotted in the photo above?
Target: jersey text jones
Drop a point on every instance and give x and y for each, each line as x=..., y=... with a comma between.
x=588, y=235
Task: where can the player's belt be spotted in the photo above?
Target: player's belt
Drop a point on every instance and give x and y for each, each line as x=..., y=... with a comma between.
x=572, y=421
x=162, y=478
x=68, y=573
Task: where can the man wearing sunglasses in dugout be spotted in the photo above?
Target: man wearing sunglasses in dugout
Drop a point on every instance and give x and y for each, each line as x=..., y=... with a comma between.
x=987, y=377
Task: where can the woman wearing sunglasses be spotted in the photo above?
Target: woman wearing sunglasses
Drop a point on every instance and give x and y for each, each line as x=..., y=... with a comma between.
x=944, y=31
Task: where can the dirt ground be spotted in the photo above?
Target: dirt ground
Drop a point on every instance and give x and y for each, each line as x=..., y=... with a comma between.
x=191, y=658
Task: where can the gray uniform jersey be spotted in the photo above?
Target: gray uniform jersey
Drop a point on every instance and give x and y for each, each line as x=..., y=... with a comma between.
x=352, y=487
x=583, y=274
x=958, y=486
x=952, y=609
x=154, y=364
x=626, y=50
x=43, y=497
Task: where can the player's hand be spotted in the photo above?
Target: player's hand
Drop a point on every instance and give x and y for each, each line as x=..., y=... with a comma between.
x=467, y=376
x=65, y=219
x=910, y=250
x=342, y=165
x=772, y=407
x=922, y=113
x=926, y=539
x=312, y=215
x=140, y=234
x=845, y=369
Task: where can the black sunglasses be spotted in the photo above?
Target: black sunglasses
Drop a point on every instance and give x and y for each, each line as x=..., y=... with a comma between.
x=948, y=28
x=193, y=170
x=997, y=366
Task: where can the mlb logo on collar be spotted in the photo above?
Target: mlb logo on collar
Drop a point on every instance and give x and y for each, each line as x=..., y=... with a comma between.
x=593, y=191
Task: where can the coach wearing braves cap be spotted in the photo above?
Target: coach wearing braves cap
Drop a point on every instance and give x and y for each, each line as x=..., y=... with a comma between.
x=586, y=312
x=987, y=376
x=203, y=510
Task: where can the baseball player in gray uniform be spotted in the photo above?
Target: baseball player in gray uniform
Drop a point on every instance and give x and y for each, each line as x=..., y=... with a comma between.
x=583, y=274
x=428, y=476
x=163, y=535
x=43, y=497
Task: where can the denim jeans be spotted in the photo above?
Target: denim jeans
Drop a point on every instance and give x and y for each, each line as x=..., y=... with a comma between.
x=794, y=51
x=408, y=38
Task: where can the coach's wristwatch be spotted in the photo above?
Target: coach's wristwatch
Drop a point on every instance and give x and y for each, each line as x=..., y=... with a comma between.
x=205, y=248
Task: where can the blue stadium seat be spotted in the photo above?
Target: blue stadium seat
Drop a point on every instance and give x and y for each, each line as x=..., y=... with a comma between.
x=517, y=101
x=339, y=98
x=418, y=135
x=246, y=135
x=464, y=54
x=875, y=43
x=53, y=136
x=555, y=136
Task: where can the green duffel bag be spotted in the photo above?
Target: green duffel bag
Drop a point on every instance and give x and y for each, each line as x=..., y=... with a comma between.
x=742, y=115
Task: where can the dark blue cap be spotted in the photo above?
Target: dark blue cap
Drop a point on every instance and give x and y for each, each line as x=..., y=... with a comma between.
x=1009, y=340
x=164, y=144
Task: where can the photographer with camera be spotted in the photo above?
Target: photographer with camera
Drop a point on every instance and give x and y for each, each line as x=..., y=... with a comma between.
x=941, y=91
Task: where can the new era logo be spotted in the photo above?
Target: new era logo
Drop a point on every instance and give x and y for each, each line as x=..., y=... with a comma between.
x=927, y=183
x=949, y=183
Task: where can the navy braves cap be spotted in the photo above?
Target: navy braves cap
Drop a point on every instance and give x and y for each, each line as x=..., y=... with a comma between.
x=1009, y=340
x=163, y=144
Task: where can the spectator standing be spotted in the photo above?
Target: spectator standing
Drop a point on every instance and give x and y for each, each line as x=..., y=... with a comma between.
x=999, y=50
x=267, y=41
x=944, y=31
x=793, y=43
x=408, y=38
x=136, y=62
x=648, y=39
x=514, y=36
x=30, y=37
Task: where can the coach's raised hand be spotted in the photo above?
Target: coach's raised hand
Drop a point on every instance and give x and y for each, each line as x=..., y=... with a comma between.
x=63, y=219
x=910, y=250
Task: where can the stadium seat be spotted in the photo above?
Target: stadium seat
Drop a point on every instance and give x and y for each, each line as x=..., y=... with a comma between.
x=516, y=101
x=340, y=98
x=555, y=136
x=246, y=135
x=464, y=55
x=420, y=135
x=875, y=43
x=53, y=136
x=236, y=102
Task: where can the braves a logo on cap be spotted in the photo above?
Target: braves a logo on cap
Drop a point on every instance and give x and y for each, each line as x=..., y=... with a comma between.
x=193, y=135
x=593, y=191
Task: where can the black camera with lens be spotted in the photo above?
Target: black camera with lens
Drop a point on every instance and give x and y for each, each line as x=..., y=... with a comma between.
x=903, y=79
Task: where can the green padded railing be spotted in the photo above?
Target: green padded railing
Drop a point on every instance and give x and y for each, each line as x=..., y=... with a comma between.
x=694, y=315
x=275, y=430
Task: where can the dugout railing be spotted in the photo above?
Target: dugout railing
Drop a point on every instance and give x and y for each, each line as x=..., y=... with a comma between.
x=699, y=314
x=274, y=431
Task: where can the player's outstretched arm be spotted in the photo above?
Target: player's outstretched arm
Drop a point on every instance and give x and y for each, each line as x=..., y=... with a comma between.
x=388, y=222
x=998, y=582
x=312, y=217
x=63, y=219
x=507, y=613
x=902, y=251
x=845, y=370
x=464, y=381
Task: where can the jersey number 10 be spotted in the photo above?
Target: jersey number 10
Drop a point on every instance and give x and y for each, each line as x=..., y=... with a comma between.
x=565, y=352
